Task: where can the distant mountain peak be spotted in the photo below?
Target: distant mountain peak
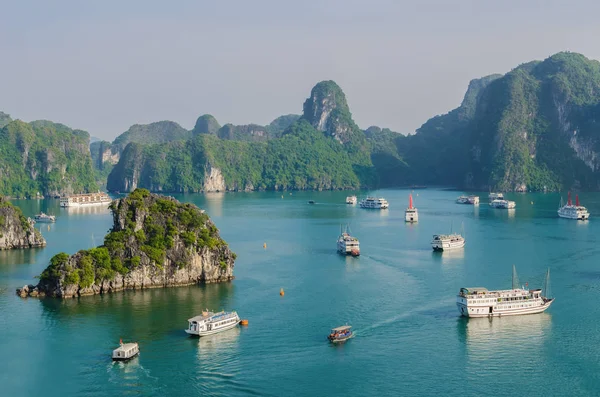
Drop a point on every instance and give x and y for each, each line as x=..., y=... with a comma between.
x=206, y=124
x=327, y=110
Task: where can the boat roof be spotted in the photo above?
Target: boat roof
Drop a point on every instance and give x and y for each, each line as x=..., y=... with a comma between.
x=342, y=328
x=475, y=290
x=214, y=316
x=126, y=346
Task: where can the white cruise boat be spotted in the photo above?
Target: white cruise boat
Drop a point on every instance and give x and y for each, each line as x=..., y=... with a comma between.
x=209, y=323
x=571, y=211
x=473, y=200
x=44, y=218
x=411, y=214
x=348, y=245
x=446, y=242
x=351, y=200
x=495, y=196
x=479, y=302
x=85, y=200
x=503, y=204
x=374, y=203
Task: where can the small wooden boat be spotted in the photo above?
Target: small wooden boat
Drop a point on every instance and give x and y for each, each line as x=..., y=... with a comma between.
x=126, y=351
x=340, y=334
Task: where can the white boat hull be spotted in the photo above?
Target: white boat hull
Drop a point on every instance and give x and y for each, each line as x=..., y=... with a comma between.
x=484, y=311
x=447, y=246
x=578, y=217
x=212, y=331
x=92, y=204
x=411, y=216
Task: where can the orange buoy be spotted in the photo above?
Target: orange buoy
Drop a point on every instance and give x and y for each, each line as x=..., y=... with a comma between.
x=244, y=322
x=281, y=292
x=265, y=245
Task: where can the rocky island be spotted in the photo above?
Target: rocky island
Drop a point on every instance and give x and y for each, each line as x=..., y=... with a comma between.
x=155, y=241
x=16, y=231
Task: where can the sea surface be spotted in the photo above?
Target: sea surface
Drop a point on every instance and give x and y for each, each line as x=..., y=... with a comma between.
x=399, y=296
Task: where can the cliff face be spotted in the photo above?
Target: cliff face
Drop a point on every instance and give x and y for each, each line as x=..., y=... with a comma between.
x=16, y=231
x=155, y=241
x=44, y=158
x=534, y=128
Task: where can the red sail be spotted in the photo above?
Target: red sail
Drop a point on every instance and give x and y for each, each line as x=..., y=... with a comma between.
x=410, y=205
x=577, y=200
x=569, y=202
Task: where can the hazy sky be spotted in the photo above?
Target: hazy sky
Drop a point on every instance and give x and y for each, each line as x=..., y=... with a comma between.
x=105, y=65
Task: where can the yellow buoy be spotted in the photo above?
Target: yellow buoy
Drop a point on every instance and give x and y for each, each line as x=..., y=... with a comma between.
x=244, y=322
x=282, y=196
x=281, y=292
x=265, y=245
x=532, y=203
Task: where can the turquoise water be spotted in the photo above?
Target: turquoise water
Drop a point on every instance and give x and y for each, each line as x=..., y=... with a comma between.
x=399, y=296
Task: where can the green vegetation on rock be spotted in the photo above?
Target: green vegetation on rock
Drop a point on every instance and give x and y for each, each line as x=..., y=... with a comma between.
x=155, y=232
x=16, y=231
x=206, y=124
x=4, y=119
x=44, y=158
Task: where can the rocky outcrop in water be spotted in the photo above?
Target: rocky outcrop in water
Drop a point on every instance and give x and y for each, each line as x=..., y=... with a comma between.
x=16, y=231
x=155, y=241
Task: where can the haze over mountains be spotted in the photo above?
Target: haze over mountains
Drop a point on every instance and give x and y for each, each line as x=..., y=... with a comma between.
x=534, y=128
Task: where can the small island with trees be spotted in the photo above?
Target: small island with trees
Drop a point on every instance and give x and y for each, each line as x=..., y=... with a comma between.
x=155, y=241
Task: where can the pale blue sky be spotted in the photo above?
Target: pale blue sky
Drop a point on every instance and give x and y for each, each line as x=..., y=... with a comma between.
x=105, y=65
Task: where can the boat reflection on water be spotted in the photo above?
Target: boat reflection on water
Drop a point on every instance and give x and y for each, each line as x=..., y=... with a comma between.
x=492, y=343
x=87, y=210
x=219, y=350
x=511, y=213
x=214, y=203
x=451, y=257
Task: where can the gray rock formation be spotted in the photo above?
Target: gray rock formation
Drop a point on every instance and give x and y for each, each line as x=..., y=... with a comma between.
x=206, y=124
x=16, y=231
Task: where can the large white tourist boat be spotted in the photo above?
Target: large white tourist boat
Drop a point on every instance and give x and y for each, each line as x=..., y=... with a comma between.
x=571, y=211
x=374, y=203
x=503, y=204
x=85, y=200
x=446, y=242
x=209, y=323
x=479, y=302
x=411, y=214
x=351, y=200
x=348, y=245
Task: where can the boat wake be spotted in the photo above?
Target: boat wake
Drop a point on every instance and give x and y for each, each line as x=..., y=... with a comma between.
x=368, y=331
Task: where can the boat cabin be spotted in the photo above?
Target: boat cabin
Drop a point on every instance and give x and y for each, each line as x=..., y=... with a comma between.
x=125, y=351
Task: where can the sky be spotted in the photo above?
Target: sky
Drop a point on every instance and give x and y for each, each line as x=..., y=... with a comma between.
x=102, y=66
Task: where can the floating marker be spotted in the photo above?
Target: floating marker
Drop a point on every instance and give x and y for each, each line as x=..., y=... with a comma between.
x=265, y=245
x=281, y=293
